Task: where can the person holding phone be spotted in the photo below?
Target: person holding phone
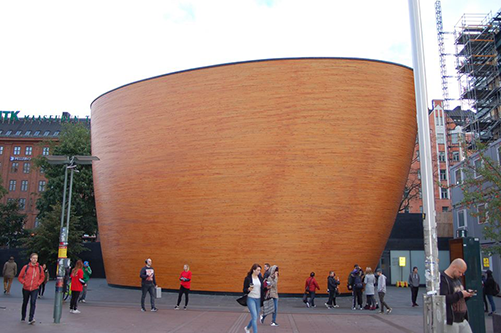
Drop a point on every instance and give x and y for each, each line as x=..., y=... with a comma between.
x=253, y=288
x=455, y=297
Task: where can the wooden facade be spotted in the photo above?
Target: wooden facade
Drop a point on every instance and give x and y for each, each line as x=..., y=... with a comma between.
x=296, y=162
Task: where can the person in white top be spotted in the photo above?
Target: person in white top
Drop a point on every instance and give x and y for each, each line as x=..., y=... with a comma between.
x=253, y=288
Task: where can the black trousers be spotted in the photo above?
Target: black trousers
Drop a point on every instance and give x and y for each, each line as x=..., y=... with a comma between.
x=332, y=297
x=182, y=291
x=357, y=297
x=74, y=299
x=32, y=297
x=414, y=293
x=148, y=288
x=41, y=289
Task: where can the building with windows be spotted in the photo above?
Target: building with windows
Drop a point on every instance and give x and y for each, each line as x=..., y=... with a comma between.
x=21, y=140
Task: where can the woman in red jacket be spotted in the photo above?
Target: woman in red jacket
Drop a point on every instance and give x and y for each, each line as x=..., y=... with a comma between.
x=77, y=284
x=310, y=287
x=185, y=279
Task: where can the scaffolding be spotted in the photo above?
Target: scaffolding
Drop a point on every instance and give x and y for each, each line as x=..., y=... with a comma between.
x=478, y=61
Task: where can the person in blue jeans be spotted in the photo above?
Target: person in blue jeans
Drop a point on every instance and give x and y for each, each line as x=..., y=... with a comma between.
x=253, y=288
x=271, y=285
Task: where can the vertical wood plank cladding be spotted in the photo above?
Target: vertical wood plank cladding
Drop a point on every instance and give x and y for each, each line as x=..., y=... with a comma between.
x=296, y=162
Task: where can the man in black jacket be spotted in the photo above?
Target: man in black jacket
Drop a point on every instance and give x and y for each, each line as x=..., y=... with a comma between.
x=148, y=284
x=455, y=297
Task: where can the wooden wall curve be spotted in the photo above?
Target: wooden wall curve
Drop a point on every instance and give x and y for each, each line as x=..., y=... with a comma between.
x=296, y=162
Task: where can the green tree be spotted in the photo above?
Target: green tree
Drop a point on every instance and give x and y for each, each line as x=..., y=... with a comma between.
x=11, y=224
x=44, y=239
x=480, y=185
x=73, y=140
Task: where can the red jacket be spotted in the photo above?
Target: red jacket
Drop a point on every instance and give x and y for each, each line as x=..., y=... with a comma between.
x=77, y=281
x=31, y=278
x=311, y=284
x=186, y=275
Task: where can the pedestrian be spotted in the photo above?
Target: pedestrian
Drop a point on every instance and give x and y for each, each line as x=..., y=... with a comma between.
x=486, y=308
x=332, y=288
x=272, y=285
x=266, y=270
x=41, y=290
x=31, y=277
x=414, y=284
x=9, y=273
x=87, y=272
x=254, y=289
x=381, y=291
x=77, y=285
x=148, y=284
x=491, y=290
x=455, y=297
x=369, y=282
x=185, y=279
x=356, y=285
x=311, y=287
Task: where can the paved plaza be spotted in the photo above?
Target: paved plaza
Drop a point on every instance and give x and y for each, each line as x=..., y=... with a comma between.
x=110, y=309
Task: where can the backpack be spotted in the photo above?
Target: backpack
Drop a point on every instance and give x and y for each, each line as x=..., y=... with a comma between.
x=357, y=282
x=28, y=267
x=496, y=288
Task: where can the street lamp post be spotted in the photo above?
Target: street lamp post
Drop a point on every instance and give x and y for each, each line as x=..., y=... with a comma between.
x=63, y=262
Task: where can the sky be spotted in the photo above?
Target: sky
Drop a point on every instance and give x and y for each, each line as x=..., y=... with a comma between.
x=59, y=55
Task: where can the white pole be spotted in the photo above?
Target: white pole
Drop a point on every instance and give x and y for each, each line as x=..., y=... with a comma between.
x=434, y=309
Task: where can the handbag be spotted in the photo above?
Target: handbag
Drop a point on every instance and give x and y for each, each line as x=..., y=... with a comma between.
x=242, y=300
x=268, y=307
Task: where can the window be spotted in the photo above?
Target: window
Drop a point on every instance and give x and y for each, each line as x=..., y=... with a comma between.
x=483, y=214
x=420, y=193
x=443, y=174
x=42, y=170
x=17, y=150
x=29, y=150
x=454, y=138
x=26, y=167
x=461, y=219
x=22, y=204
x=444, y=193
x=12, y=185
x=417, y=155
x=24, y=186
x=18, y=132
x=27, y=133
x=419, y=174
x=37, y=133
x=445, y=209
x=1, y=150
x=41, y=186
x=56, y=133
x=440, y=138
x=478, y=164
x=459, y=176
x=45, y=151
x=455, y=156
x=46, y=133
x=37, y=222
x=14, y=167
x=8, y=132
x=441, y=156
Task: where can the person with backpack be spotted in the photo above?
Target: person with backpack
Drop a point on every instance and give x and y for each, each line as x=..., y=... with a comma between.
x=310, y=287
x=491, y=290
x=148, y=284
x=355, y=283
x=87, y=272
x=41, y=290
x=31, y=277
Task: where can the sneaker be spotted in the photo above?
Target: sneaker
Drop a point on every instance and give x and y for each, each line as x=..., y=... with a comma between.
x=314, y=306
x=307, y=305
x=354, y=308
x=5, y=291
x=154, y=309
x=185, y=308
x=76, y=311
x=388, y=311
x=327, y=306
x=176, y=307
x=31, y=322
x=261, y=319
x=82, y=301
x=274, y=324
x=23, y=320
x=360, y=308
x=336, y=306
x=246, y=329
x=39, y=296
x=71, y=310
x=143, y=310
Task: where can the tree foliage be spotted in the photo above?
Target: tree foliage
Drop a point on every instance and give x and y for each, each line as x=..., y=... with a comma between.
x=44, y=239
x=73, y=140
x=11, y=224
x=481, y=185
